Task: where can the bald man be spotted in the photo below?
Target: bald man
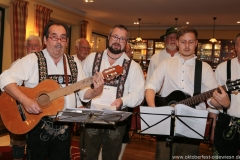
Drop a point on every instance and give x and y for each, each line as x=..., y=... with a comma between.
x=33, y=44
x=83, y=49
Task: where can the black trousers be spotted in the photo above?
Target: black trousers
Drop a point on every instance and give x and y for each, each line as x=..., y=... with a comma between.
x=49, y=140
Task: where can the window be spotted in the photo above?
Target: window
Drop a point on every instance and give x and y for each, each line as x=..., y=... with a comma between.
x=98, y=42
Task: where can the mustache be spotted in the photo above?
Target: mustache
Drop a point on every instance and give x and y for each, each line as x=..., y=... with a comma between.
x=58, y=46
x=116, y=44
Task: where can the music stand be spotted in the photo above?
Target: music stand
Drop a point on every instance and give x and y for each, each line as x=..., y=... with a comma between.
x=170, y=120
x=90, y=116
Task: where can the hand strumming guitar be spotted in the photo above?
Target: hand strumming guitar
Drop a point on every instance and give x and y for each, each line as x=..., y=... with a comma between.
x=30, y=105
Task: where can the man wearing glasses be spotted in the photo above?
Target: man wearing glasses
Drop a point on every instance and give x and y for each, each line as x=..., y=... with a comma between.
x=83, y=49
x=118, y=94
x=33, y=44
x=170, y=50
x=48, y=139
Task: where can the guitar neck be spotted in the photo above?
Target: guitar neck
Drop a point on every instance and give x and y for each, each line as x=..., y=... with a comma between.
x=70, y=89
x=200, y=97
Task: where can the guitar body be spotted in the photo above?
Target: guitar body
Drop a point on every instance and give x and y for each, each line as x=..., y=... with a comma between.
x=171, y=99
x=50, y=98
x=20, y=124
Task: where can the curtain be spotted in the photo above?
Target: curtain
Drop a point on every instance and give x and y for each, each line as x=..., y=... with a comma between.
x=18, y=15
x=83, y=33
x=41, y=19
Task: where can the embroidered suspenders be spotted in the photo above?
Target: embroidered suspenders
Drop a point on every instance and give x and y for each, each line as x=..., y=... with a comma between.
x=118, y=82
x=43, y=72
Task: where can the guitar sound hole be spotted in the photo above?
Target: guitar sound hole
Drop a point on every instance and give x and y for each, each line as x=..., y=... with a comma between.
x=43, y=100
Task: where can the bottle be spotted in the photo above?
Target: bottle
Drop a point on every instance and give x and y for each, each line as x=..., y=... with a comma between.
x=141, y=63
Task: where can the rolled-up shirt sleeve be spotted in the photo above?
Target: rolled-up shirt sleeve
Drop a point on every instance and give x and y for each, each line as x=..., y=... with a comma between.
x=18, y=72
x=156, y=80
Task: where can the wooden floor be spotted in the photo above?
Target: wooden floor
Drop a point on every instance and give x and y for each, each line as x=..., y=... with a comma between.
x=143, y=148
x=140, y=147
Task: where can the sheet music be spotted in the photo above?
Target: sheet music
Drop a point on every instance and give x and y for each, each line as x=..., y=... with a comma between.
x=198, y=124
x=99, y=106
x=86, y=115
x=162, y=128
x=77, y=114
x=153, y=115
x=105, y=99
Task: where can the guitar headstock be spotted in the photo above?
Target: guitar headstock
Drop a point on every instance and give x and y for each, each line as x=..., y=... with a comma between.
x=233, y=85
x=112, y=72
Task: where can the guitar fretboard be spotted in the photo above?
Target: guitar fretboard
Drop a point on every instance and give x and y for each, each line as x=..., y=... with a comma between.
x=70, y=89
x=199, y=98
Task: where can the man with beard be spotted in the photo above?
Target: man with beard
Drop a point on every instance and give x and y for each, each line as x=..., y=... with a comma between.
x=169, y=51
x=178, y=73
x=48, y=139
x=120, y=93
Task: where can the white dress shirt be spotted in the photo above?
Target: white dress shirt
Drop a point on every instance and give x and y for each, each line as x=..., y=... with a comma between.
x=79, y=103
x=134, y=84
x=156, y=59
x=221, y=76
x=78, y=60
x=26, y=70
x=178, y=74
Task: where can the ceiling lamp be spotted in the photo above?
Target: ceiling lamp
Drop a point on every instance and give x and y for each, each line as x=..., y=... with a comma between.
x=176, y=23
x=138, y=39
x=213, y=40
x=89, y=0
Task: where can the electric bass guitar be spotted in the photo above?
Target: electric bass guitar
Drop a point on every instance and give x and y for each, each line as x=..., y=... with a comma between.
x=49, y=97
x=179, y=97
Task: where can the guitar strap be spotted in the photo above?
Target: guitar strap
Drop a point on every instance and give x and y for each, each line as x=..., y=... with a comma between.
x=65, y=69
x=197, y=78
x=228, y=78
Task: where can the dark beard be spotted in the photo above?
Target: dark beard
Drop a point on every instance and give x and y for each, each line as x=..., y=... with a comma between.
x=114, y=51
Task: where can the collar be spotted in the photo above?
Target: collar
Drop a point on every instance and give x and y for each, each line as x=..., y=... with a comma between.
x=190, y=61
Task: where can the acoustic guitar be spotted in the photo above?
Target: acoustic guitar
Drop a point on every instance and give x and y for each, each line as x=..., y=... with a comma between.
x=179, y=97
x=49, y=97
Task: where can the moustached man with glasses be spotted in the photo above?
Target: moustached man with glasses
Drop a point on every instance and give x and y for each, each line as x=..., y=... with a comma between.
x=48, y=139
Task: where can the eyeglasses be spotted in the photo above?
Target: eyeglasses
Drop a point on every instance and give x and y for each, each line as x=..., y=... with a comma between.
x=33, y=45
x=55, y=38
x=116, y=38
x=85, y=48
x=171, y=37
